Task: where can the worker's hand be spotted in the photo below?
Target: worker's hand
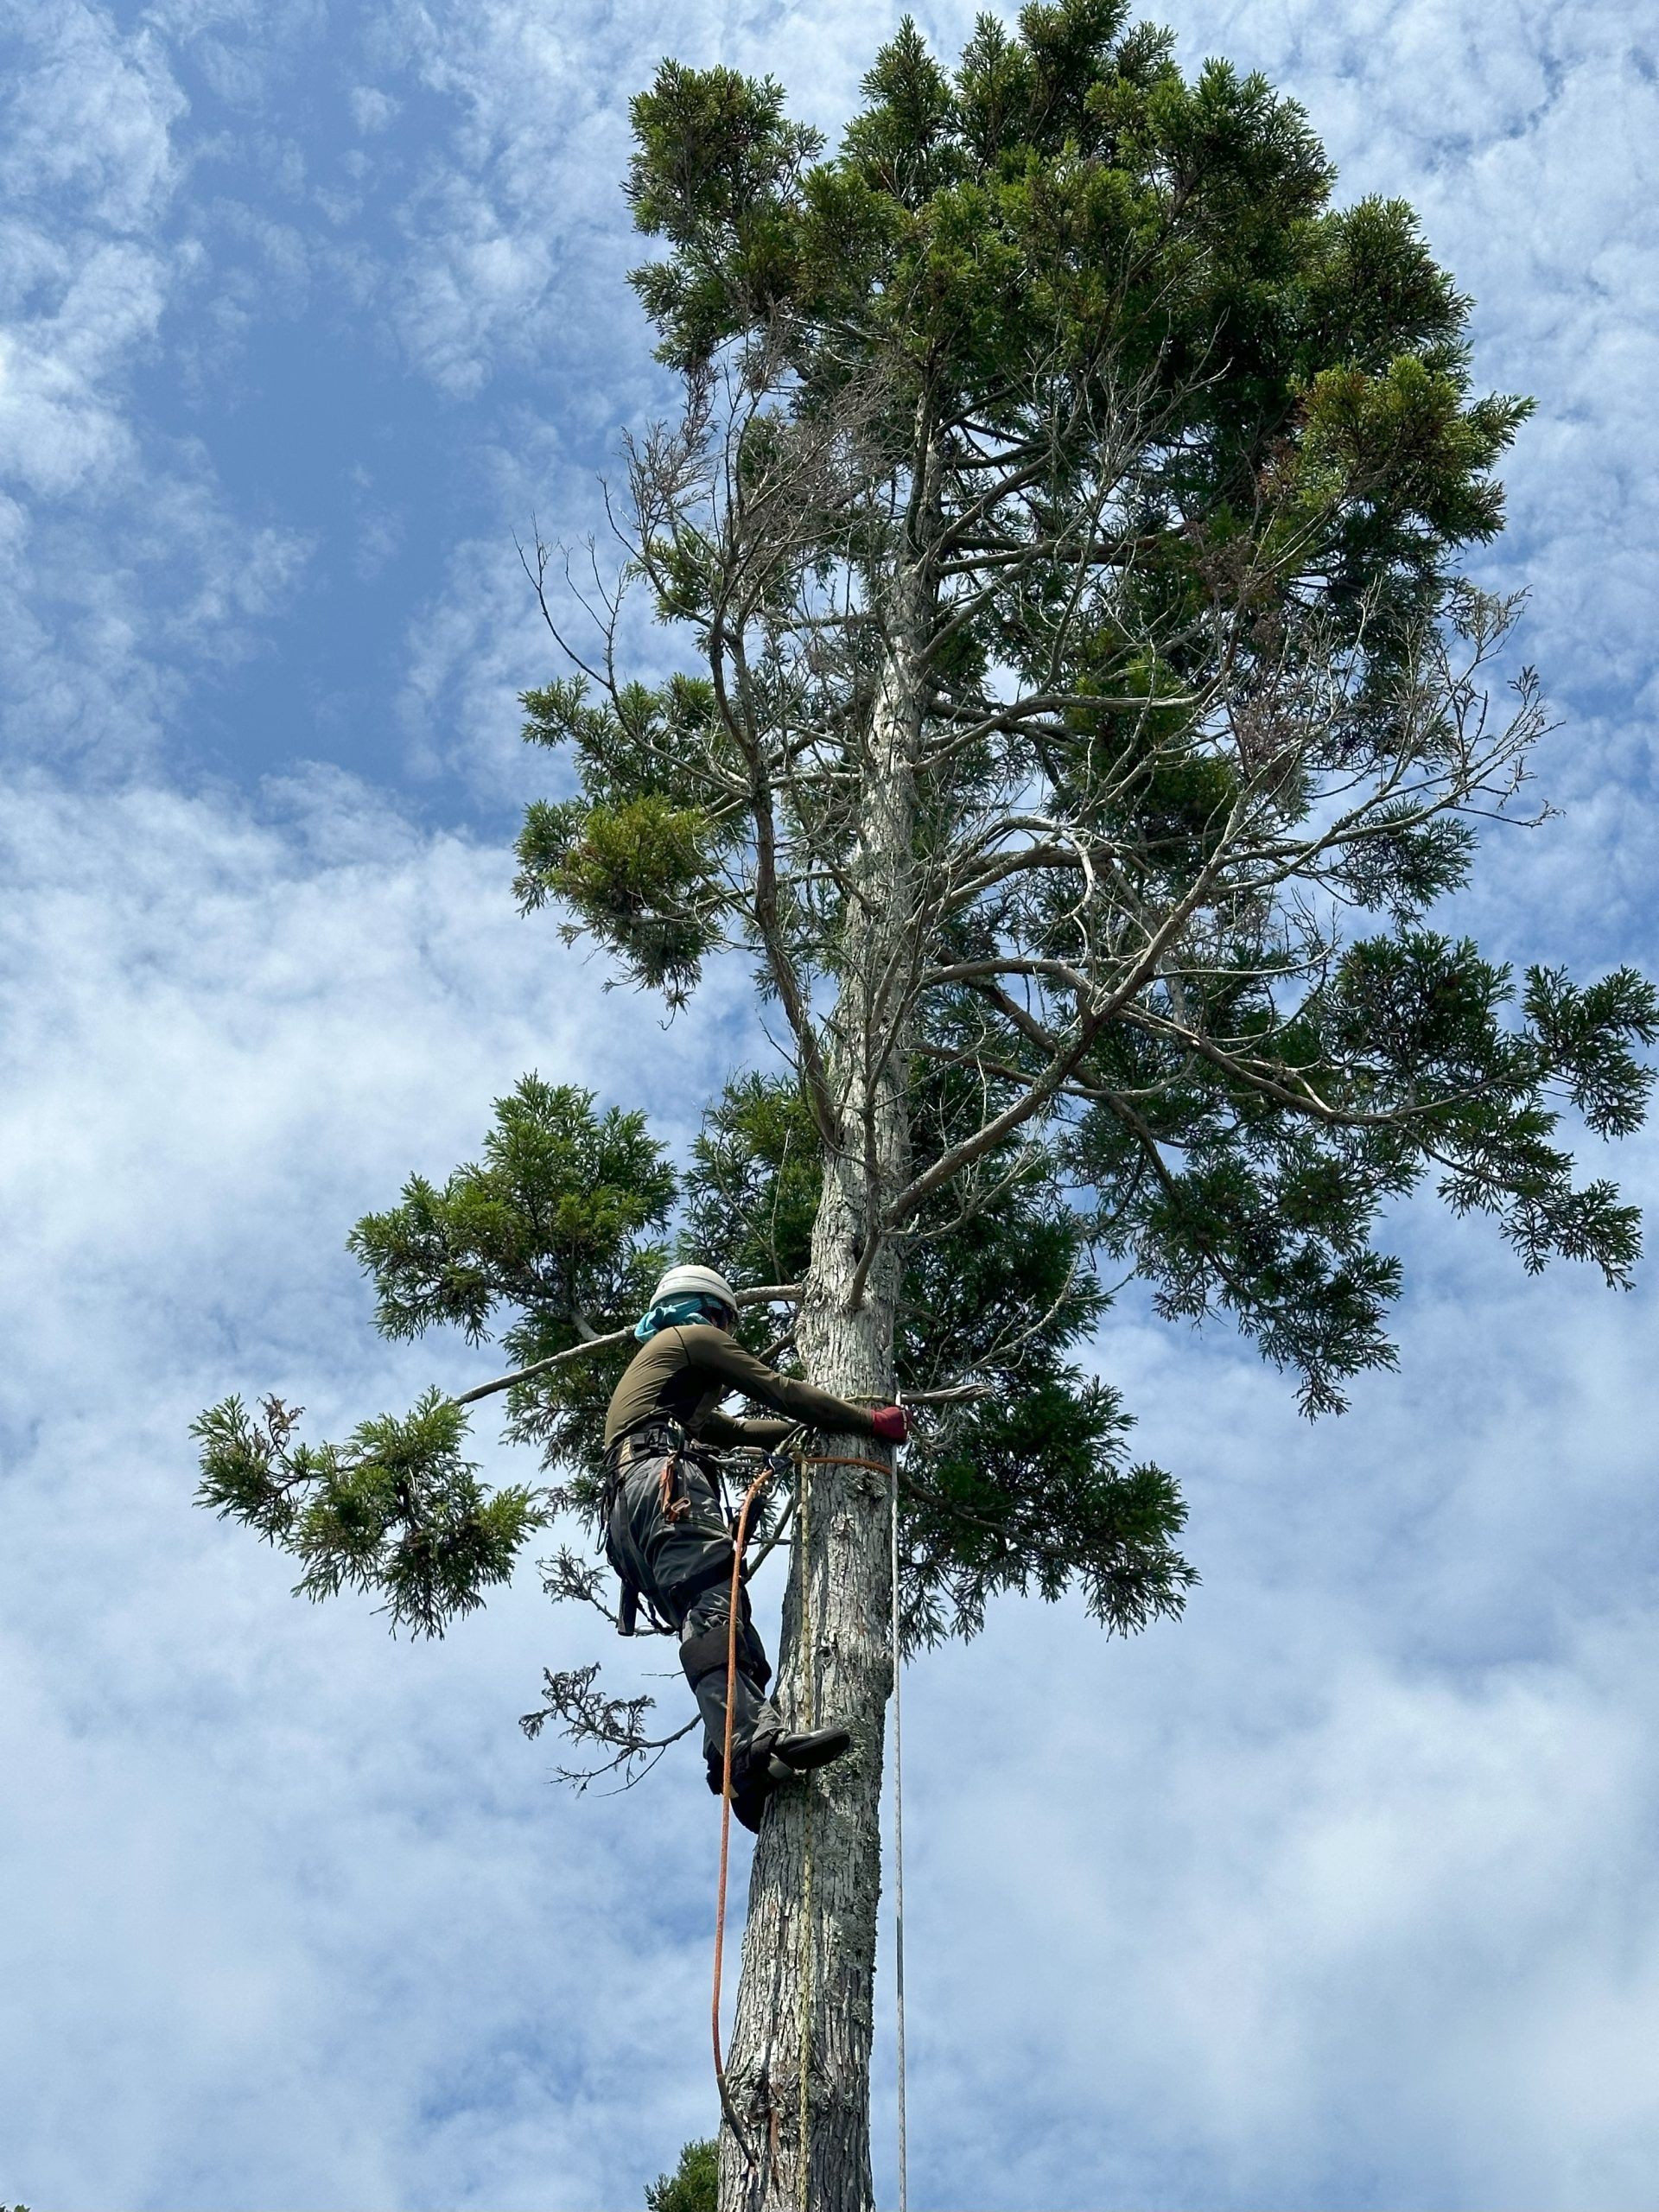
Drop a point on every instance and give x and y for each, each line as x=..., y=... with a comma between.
x=889, y=1424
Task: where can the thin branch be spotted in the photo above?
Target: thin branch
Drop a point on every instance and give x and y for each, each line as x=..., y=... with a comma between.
x=771, y=1294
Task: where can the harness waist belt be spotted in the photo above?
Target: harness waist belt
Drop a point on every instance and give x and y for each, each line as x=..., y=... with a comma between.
x=633, y=1443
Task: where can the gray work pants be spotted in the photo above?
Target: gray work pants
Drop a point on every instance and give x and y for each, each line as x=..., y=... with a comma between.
x=678, y=1550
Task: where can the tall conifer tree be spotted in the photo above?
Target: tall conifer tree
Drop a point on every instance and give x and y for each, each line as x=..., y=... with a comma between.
x=1082, y=712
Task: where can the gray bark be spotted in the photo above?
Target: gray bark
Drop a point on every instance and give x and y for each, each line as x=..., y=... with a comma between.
x=819, y=1961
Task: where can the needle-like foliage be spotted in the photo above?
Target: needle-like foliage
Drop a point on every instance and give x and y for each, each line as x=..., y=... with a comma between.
x=1082, y=711
x=1168, y=458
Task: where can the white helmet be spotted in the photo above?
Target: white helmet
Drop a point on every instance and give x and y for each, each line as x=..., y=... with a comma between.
x=695, y=1282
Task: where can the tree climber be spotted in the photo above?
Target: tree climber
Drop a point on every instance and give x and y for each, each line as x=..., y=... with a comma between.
x=666, y=1532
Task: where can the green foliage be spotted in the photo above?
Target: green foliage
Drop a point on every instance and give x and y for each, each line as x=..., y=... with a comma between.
x=717, y=168
x=1224, y=1200
x=395, y=1510
x=1032, y=1494
x=753, y=1188
x=556, y=1224
x=1068, y=187
x=694, y=2185
x=1022, y=1483
x=552, y=1223
x=1064, y=373
x=637, y=876
x=632, y=866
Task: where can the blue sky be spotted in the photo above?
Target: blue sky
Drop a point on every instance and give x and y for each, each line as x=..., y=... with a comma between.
x=1345, y=1893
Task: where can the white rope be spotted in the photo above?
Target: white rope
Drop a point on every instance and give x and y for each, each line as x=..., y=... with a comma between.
x=899, y=1855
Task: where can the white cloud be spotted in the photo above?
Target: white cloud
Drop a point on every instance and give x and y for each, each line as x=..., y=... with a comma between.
x=373, y=110
x=483, y=640
x=518, y=234
x=124, y=560
x=289, y=1877
x=1339, y=1894
x=1329, y=1882
x=87, y=169
x=91, y=117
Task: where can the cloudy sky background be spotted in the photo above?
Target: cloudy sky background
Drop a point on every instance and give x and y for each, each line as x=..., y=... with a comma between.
x=1345, y=1893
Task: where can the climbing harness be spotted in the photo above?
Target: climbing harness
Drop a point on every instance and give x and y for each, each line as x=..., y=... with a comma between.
x=632, y=1601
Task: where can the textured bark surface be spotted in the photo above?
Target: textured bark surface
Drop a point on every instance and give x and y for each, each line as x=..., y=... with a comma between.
x=819, y=1961
x=817, y=1964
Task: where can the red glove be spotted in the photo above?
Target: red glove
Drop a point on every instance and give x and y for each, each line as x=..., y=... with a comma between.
x=889, y=1424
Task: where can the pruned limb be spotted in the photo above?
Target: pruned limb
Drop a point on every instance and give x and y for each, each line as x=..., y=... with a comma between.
x=771, y=1294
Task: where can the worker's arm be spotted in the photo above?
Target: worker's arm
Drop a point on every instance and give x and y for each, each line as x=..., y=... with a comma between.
x=738, y=1369
x=728, y=1428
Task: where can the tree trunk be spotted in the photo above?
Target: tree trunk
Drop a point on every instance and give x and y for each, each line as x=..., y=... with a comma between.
x=808, y=1947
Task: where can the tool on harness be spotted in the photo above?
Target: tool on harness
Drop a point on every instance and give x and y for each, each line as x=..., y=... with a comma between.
x=675, y=1504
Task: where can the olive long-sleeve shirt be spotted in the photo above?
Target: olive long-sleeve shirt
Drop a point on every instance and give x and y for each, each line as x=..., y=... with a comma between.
x=681, y=1375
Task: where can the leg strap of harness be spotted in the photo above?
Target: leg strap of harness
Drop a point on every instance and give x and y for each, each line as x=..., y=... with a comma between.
x=705, y=1653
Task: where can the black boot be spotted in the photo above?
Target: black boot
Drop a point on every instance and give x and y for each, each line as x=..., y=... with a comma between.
x=749, y=1799
x=752, y=1782
x=805, y=1748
